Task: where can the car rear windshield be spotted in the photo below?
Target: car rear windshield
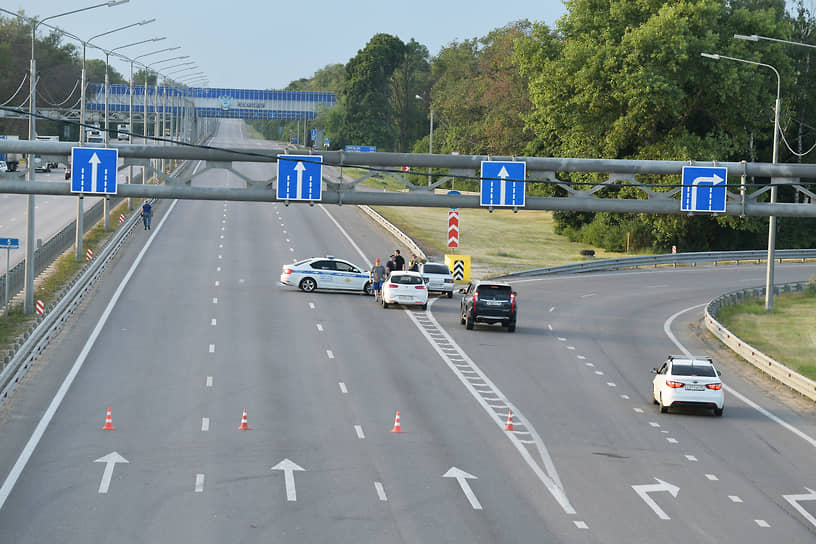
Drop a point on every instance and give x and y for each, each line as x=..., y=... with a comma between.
x=435, y=269
x=494, y=292
x=693, y=370
x=405, y=280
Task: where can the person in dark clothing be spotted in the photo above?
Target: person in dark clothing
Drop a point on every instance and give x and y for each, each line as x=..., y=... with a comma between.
x=413, y=264
x=147, y=214
x=399, y=260
x=390, y=266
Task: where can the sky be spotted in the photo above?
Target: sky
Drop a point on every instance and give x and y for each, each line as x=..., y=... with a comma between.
x=267, y=44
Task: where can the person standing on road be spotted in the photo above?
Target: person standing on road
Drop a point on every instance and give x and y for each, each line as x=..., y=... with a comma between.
x=399, y=260
x=390, y=266
x=413, y=264
x=147, y=214
x=377, y=277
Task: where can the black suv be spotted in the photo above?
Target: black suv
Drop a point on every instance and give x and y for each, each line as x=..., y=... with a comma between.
x=489, y=302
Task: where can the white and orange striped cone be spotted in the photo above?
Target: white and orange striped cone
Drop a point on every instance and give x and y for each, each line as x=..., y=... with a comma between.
x=244, y=426
x=509, y=426
x=108, y=422
x=397, y=427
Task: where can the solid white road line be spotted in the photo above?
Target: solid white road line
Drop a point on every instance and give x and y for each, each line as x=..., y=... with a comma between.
x=329, y=354
x=205, y=424
x=209, y=381
x=212, y=348
x=215, y=300
x=380, y=491
x=359, y=430
x=39, y=430
x=343, y=388
x=212, y=322
x=320, y=327
x=199, y=483
x=667, y=329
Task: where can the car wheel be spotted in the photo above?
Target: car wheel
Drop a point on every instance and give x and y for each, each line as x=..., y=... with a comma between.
x=425, y=306
x=367, y=289
x=718, y=411
x=450, y=294
x=461, y=317
x=384, y=303
x=469, y=322
x=663, y=409
x=308, y=285
x=511, y=327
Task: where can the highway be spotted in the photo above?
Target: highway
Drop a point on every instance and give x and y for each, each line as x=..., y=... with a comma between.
x=190, y=327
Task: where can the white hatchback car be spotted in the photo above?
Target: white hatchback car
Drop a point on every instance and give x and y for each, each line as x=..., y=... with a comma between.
x=3, y=166
x=438, y=278
x=326, y=273
x=688, y=381
x=405, y=288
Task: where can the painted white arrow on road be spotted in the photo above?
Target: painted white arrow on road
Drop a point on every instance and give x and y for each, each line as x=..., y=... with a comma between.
x=110, y=461
x=703, y=180
x=300, y=168
x=796, y=499
x=503, y=174
x=94, y=162
x=645, y=489
x=462, y=477
x=289, y=467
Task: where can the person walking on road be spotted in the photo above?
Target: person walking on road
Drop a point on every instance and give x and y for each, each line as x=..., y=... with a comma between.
x=147, y=214
x=399, y=260
x=377, y=277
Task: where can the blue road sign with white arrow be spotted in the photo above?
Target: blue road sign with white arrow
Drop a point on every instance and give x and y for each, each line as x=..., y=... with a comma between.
x=94, y=170
x=505, y=184
x=300, y=177
x=9, y=243
x=703, y=189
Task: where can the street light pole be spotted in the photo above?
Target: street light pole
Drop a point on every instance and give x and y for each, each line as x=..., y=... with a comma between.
x=769, y=274
x=28, y=302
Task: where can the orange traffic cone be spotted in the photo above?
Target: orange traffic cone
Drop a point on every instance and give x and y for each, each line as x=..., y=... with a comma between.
x=509, y=426
x=244, y=426
x=397, y=428
x=108, y=422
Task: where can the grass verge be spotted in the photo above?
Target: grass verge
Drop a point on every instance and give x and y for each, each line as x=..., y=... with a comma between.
x=788, y=333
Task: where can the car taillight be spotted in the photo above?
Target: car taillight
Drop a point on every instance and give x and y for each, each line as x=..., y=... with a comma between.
x=512, y=302
x=287, y=270
x=419, y=287
x=673, y=384
x=475, y=297
x=448, y=280
x=715, y=386
x=392, y=285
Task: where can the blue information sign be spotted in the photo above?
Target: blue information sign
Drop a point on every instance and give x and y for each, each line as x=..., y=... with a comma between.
x=9, y=243
x=703, y=189
x=362, y=148
x=504, y=185
x=94, y=170
x=300, y=177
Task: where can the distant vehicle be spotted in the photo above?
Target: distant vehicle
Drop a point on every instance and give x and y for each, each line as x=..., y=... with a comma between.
x=688, y=381
x=438, y=278
x=403, y=287
x=123, y=132
x=489, y=302
x=94, y=136
x=68, y=172
x=50, y=160
x=3, y=166
x=326, y=273
x=12, y=159
x=41, y=165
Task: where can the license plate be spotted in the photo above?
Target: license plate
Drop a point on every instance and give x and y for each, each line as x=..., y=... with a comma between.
x=406, y=299
x=493, y=302
x=692, y=387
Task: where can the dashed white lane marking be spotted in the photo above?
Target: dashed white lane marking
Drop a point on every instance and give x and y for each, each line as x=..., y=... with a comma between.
x=311, y=305
x=552, y=308
x=588, y=295
x=581, y=357
x=215, y=300
x=562, y=339
x=671, y=440
x=625, y=397
x=343, y=388
x=212, y=322
x=292, y=249
x=359, y=430
x=581, y=524
x=638, y=410
x=220, y=246
x=380, y=491
x=571, y=347
x=220, y=256
x=329, y=354
x=205, y=424
x=209, y=382
x=288, y=240
x=199, y=483
x=712, y=477
x=599, y=372
x=217, y=283
x=734, y=498
x=212, y=348
x=549, y=326
x=691, y=458
x=762, y=523
x=589, y=364
x=284, y=232
x=320, y=327
x=218, y=269
x=654, y=424
x=611, y=384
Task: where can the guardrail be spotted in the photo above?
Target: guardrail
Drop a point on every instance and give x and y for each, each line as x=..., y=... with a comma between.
x=770, y=366
x=715, y=257
x=390, y=227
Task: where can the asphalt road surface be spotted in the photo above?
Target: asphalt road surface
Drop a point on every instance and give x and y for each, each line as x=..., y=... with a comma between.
x=191, y=327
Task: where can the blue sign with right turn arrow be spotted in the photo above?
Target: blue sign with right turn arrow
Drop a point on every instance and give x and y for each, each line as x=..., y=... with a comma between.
x=703, y=189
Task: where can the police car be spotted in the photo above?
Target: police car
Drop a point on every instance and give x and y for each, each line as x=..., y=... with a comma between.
x=326, y=273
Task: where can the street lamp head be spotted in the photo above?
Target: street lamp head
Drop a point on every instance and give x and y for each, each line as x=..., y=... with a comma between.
x=117, y=2
x=147, y=21
x=752, y=37
x=710, y=56
x=159, y=39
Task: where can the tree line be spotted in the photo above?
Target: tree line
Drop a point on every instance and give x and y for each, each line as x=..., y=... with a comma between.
x=614, y=79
